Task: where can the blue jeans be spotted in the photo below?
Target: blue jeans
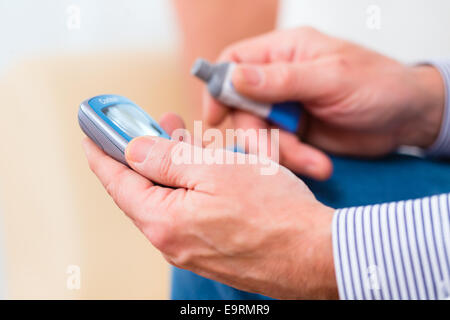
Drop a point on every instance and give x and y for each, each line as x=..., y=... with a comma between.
x=354, y=182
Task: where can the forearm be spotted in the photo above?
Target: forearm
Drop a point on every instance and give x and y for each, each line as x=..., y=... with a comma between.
x=206, y=27
x=399, y=250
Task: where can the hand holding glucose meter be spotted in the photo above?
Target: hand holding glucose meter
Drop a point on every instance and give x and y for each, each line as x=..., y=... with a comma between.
x=111, y=121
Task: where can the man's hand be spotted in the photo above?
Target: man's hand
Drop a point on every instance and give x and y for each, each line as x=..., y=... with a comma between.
x=358, y=101
x=222, y=221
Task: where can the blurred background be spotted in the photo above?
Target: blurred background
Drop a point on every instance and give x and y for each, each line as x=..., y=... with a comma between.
x=57, y=223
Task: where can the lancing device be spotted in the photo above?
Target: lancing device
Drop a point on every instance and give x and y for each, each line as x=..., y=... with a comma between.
x=285, y=115
x=111, y=121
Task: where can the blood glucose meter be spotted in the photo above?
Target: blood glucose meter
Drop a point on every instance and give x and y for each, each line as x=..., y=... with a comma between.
x=111, y=121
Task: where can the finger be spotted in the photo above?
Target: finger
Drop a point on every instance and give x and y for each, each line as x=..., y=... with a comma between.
x=279, y=82
x=254, y=50
x=342, y=141
x=166, y=161
x=170, y=122
x=304, y=159
x=261, y=49
x=295, y=155
x=296, y=44
x=128, y=188
x=214, y=112
x=173, y=124
x=247, y=121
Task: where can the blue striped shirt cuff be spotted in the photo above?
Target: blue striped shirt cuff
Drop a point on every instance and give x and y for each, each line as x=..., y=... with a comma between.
x=441, y=147
x=398, y=250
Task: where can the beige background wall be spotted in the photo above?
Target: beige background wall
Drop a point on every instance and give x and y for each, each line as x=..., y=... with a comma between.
x=55, y=212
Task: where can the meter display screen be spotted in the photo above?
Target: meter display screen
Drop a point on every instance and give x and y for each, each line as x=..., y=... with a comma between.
x=131, y=120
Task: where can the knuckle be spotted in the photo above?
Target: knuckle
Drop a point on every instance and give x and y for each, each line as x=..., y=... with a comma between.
x=284, y=77
x=114, y=185
x=339, y=65
x=183, y=258
x=110, y=188
x=116, y=188
x=230, y=53
x=161, y=237
x=307, y=30
x=341, y=62
x=94, y=166
x=165, y=163
x=227, y=52
x=235, y=51
x=166, y=240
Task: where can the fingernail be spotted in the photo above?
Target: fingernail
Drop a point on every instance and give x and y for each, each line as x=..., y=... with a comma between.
x=250, y=75
x=139, y=148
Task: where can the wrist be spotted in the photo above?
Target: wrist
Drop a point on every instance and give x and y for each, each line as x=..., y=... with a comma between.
x=425, y=107
x=319, y=260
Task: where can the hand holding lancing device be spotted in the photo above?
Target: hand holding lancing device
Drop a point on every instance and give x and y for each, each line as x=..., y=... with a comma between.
x=358, y=102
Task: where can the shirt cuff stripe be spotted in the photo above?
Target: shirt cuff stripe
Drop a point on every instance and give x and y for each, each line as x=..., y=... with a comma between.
x=399, y=250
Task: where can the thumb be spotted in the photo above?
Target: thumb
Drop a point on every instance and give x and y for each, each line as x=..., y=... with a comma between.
x=277, y=82
x=166, y=162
